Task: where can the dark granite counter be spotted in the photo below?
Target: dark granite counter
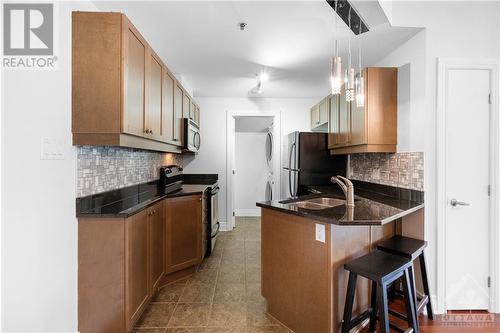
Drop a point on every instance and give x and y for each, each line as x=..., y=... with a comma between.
x=124, y=202
x=374, y=205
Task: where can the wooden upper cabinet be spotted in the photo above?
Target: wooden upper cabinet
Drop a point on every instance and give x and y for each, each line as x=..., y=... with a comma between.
x=153, y=118
x=324, y=108
x=178, y=106
x=183, y=234
x=344, y=119
x=168, y=107
x=192, y=110
x=197, y=114
x=134, y=81
x=358, y=123
x=333, y=136
x=372, y=127
x=136, y=266
x=315, y=116
x=186, y=106
x=121, y=92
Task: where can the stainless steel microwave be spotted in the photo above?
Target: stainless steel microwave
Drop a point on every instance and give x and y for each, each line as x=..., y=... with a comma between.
x=192, y=137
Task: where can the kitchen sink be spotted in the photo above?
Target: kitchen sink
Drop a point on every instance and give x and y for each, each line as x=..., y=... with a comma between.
x=318, y=203
x=327, y=201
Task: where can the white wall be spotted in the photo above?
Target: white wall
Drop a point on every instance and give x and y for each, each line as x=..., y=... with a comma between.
x=453, y=30
x=39, y=227
x=295, y=116
x=252, y=172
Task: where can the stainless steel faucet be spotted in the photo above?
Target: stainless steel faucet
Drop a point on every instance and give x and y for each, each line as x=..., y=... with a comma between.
x=346, y=186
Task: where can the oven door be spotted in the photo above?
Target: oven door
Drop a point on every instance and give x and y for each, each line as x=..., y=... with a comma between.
x=192, y=137
x=214, y=218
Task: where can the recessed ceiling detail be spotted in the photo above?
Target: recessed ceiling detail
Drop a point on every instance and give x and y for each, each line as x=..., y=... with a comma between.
x=343, y=8
x=292, y=40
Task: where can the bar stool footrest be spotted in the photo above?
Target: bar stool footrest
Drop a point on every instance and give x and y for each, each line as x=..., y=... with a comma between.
x=360, y=318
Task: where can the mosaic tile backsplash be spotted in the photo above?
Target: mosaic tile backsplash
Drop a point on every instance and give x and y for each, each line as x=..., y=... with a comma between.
x=101, y=169
x=404, y=170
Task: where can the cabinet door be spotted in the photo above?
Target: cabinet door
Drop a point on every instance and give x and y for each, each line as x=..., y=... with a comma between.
x=358, y=123
x=186, y=107
x=153, y=123
x=333, y=137
x=168, y=107
x=178, y=102
x=156, y=246
x=197, y=114
x=323, y=110
x=184, y=225
x=136, y=266
x=315, y=116
x=192, y=110
x=134, y=81
x=344, y=119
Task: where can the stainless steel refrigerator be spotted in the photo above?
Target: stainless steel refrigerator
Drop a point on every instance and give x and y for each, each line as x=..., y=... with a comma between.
x=308, y=162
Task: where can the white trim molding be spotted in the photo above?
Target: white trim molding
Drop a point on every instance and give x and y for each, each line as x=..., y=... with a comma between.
x=444, y=65
x=247, y=212
x=230, y=137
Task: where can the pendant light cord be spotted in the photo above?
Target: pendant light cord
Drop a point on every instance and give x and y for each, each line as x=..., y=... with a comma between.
x=359, y=46
x=349, y=16
x=336, y=47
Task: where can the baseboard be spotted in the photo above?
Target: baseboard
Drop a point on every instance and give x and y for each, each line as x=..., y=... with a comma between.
x=247, y=212
x=437, y=307
x=224, y=226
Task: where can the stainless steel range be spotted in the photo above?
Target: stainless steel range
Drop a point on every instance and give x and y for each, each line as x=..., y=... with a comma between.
x=213, y=216
x=172, y=179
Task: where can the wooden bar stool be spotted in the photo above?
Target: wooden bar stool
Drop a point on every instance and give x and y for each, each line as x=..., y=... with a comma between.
x=382, y=269
x=412, y=249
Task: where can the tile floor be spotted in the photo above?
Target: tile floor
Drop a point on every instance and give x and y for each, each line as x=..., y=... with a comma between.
x=222, y=296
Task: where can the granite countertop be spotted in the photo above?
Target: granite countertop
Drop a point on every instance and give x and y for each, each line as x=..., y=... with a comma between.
x=370, y=207
x=131, y=200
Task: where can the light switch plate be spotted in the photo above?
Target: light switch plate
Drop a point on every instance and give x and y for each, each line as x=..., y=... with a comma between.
x=52, y=149
x=320, y=232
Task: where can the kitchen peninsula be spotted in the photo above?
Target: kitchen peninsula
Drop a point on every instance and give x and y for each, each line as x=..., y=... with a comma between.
x=304, y=250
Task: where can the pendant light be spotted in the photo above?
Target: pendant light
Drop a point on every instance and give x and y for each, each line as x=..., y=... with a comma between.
x=336, y=63
x=360, y=81
x=349, y=73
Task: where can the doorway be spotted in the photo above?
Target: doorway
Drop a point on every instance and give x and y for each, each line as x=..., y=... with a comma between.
x=253, y=143
x=467, y=173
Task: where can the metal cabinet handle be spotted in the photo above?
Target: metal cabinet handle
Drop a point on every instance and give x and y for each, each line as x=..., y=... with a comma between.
x=454, y=202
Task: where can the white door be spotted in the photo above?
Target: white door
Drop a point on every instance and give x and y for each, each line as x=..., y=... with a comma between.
x=232, y=173
x=467, y=117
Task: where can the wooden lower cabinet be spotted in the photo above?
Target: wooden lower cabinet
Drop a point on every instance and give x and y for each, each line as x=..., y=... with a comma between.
x=183, y=234
x=136, y=266
x=304, y=280
x=123, y=261
x=156, y=246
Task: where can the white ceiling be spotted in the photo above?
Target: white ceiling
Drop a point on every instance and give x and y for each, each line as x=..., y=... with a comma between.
x=292, y=40
x=253, y=124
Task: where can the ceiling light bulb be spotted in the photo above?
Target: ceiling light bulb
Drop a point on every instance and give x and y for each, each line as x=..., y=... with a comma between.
x=263, y=77
x=349, y=89
x=336, y=75
x=360, y=90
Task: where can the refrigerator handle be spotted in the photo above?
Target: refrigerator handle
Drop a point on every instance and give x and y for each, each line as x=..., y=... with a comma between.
x=289, y=170
x=292, y=189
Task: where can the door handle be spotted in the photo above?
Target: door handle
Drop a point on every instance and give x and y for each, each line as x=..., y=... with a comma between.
x=454, y=202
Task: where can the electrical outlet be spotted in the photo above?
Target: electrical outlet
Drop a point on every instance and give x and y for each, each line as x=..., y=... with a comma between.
x=52, y=149
x=320, y=232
